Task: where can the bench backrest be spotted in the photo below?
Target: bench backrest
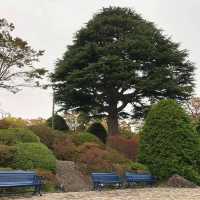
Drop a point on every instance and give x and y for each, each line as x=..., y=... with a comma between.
x=138, y=177
x=108, y=177
x=16, y=176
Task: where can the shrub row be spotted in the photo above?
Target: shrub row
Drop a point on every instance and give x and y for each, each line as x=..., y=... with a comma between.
x=12, y=136
x=20, y=148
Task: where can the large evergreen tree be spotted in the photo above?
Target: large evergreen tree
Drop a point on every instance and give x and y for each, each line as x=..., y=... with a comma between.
x=120, y=59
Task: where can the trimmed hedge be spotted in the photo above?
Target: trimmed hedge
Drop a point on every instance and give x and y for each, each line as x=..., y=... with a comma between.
x=12, y=136
x=34, y=156
x=169, y=144
x=99, y=131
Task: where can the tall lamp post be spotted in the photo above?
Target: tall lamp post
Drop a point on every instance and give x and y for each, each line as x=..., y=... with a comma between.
x=53, y=109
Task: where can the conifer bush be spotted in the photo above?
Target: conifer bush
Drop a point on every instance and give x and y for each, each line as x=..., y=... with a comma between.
x=169, y=143
x=59, y=123
x=98, y=130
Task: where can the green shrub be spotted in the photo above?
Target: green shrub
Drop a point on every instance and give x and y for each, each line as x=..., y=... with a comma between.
x=98, y=130
x=138, y=167
x=169, y=144
x=12, y=136
x=47, y=135
x=5, y=169
x=59, y=123
x=81, y=138
x=34, y=156
x=6, y=155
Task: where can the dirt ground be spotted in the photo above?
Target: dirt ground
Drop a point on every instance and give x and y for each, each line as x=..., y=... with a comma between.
x=128, y=194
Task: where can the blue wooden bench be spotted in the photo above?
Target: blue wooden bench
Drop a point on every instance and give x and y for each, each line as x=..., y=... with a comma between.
x=105, y=179
x=135, y=178
x=13, y=179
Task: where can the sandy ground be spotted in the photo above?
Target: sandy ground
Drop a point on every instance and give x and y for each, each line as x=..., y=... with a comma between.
x=128, y=194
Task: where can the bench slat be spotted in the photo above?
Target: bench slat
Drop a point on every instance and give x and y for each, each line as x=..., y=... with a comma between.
x=139, y=178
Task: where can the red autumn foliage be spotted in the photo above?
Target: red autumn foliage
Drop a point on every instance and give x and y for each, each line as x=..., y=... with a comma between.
x=128, y=147
x=65, y=149
x=93, y=158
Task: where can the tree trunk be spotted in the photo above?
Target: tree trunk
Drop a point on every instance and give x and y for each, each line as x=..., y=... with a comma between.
x=112, y=122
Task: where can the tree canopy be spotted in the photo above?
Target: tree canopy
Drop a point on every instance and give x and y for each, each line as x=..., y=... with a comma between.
x=120, y=59
x=16, y=60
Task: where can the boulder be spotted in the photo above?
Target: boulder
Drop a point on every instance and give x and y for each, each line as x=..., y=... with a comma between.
x=70, y=178
x=179, y=182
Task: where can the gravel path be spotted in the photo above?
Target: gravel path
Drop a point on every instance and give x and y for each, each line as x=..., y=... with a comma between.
x=129, y=194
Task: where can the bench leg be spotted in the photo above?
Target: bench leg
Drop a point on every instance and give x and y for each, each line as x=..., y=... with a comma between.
x=99, y=187
x=37, y=190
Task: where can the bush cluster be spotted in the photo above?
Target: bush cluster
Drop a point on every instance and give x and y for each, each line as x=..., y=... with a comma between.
x=20, y=148
x=65, y=149
x=128, y=147
x=47, y=135
x=12, y=136
x=97, y=158
x=12, y=122
x=81, y=138
x=33, y=156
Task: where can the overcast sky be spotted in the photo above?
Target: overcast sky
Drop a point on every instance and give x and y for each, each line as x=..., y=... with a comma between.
x=51, y=24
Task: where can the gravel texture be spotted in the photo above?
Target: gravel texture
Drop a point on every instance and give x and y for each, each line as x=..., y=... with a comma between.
x=126, y=194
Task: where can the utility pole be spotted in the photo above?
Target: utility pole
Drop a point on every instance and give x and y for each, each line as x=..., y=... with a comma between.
x=53, y=109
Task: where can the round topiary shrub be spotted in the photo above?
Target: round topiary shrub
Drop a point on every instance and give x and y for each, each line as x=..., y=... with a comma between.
x=169, y=144
x=84, y=137
x=98, y=130
x=12, y=136
x=34, y=156
x=59, y=123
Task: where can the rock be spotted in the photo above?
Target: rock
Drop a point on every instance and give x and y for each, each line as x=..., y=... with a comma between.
x=70, y=178
x=179, y=181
